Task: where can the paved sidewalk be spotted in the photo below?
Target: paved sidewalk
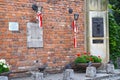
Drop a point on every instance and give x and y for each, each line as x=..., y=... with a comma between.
x=79, y=76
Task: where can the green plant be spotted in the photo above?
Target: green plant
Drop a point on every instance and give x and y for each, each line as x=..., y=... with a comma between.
x=88, y=58
x=114, y=31
x=4, y=67
x=96, y=59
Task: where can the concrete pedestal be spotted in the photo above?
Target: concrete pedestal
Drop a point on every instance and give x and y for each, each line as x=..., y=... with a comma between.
x=37, y=75
x=68, y=74
x=110, y=68
x=90, y=71
x=3, y=78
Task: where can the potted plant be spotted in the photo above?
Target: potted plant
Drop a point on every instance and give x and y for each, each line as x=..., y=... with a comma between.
x=82, y=61
x=4, y=67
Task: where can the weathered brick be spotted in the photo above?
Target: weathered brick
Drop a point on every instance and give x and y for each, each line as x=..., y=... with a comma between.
x=58, y=34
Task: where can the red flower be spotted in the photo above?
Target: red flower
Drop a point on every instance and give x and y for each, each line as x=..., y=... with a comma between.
x=78, y=54
x=91, y=59
x=85, y=53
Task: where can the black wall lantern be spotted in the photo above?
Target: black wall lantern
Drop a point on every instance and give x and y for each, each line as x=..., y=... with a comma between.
x=76, y=15
x=36, y=8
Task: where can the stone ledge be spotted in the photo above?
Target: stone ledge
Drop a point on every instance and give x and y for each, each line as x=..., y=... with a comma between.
x=53, y=71
x=104, y=76
x=19, y=74
x=108, y=77
x=79, y=76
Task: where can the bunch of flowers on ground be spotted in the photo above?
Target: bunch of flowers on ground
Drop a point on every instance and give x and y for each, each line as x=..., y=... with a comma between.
x=4, y=67
x=86, y=58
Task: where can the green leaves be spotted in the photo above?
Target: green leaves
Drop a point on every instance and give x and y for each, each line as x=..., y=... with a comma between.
x=96, y=59
x=81, y=59
x=3, y=69
x=88, y=58
x=114, y=31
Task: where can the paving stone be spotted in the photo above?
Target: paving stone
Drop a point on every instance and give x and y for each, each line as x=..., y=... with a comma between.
x=68, y=74
x=110, y=68
x=91, y=71
x=37, y=75
x=3, y=78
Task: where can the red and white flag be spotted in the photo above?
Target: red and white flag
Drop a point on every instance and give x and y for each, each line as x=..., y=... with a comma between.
x=39, y=16
x=75, y=29
x=75, y=41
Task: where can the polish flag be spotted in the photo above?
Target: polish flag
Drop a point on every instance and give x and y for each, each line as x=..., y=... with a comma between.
x=39, y=16
x=75, y=41
x=74, y=27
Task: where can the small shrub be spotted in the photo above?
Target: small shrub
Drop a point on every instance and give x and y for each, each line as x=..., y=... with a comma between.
x=88, y=58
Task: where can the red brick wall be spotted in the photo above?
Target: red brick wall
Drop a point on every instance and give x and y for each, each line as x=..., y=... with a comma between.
x=58, y=34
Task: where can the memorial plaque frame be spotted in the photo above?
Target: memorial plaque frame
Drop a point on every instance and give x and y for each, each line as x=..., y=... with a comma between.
x=100, y=41
x=97, y=27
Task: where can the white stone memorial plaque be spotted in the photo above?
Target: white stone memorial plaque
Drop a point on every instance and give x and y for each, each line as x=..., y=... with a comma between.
x=13, y=26
x=34, y=35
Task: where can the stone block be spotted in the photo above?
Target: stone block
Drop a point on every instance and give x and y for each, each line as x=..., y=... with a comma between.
x=90, y=71
x=110, y=68
x=68, y=74
x=3, y=78
x=37, y=75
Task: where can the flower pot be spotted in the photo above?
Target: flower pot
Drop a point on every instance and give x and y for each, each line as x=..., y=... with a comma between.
x=81, y=67
x=84, y=65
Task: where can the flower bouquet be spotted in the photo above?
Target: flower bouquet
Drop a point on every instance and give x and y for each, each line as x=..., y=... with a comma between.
x=4, y=67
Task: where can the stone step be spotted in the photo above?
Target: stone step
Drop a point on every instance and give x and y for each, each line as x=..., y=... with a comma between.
x=101, y=75
x=106, y=77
